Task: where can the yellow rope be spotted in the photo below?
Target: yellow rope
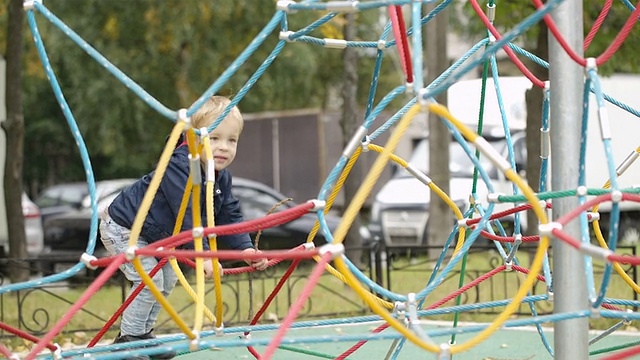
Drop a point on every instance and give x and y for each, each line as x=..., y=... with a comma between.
x=598, y=233
x=136, y=228
x=316, y=226
x=444, y=196
x=536, y=265
x=174, y=263
x=213, y=242
x=197, y=240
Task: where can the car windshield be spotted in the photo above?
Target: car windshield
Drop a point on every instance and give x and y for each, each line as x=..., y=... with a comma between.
x=255, y=203
x=68, y=194
x=460, y=165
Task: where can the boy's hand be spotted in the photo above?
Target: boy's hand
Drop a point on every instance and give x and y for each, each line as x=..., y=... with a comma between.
x=258, y=264
x=208, y=268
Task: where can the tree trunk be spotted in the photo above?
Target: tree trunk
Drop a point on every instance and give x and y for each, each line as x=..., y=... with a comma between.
x=534, y=99
x=440, y=218
x=348, y=123
x=14, y=129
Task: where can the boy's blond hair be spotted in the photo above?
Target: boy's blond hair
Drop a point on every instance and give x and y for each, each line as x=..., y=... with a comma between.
x=211, y=110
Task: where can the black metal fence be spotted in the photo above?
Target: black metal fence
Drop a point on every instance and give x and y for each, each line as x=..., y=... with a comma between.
x=401, y=270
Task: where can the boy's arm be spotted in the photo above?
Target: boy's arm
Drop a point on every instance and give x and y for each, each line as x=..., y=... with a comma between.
x=230, y=214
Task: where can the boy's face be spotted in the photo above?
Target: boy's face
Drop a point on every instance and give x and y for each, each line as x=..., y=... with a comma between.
x=224, y=142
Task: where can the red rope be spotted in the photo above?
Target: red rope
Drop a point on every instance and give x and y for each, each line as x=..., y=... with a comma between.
x=400, y=34
x=608, y=53
x=523, y=69
x=229, y=254
x=124, y=305
x=267, y=302
x=597, y=24
x=297, y=306
x=24, y=335
x=5, y=351
x=623, y=354
x=267, y=221
x=91, y=290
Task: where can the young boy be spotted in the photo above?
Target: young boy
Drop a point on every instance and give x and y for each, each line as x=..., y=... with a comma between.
x=140, y=316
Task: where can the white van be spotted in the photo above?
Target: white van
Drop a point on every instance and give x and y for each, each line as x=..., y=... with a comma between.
x=400, y=211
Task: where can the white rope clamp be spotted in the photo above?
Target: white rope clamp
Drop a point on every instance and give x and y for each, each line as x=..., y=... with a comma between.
x=546, y=229
x=593, y=216
x=197, y=232
x=581, y=190
x=284, y=6
x=616, y=196
x=318, y=205
x=86, y=259
x=335, y=43
x=130, y=253
x=182, y=116
x=463, y=223
x=286, y=35
x=309, y=246
x=493, y=197
x=445, y=352
x=592, y=64
x=365, y=143
x=57, y=353
x=381, y=45
x=335, y=250
x=194, y=345
x=220, y=330
x=30, y=4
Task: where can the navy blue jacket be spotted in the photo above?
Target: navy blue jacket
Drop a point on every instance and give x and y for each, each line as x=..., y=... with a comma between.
x=162, y=215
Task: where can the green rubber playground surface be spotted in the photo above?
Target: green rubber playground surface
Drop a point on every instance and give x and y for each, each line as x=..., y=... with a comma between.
x=507, y=344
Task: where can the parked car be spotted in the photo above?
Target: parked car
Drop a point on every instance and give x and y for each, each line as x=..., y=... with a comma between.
x=62, y=198
x=67, y=234
x=32, y=228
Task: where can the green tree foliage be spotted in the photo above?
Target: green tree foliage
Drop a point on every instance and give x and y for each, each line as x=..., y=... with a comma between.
x=510, y=13
x=174, y=50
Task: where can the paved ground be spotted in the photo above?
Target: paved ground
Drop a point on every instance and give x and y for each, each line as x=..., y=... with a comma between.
x=511, y=344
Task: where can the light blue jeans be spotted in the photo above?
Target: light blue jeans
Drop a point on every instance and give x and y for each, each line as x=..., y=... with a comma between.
x=140, y=316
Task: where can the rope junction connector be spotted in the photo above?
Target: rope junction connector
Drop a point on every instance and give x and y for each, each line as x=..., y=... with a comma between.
x=581, y=190
x=318, y=205
x=246, y=336
x=549, y=295
x=591, y=64
x=625, y=320
x=194, y=345
x=30, y=4
x=517, y=240
x=182, y=116
x=335, y=250
x=342, y=6
x=423, y=100
x=381, y=45
x=493, y=197
x=595, y=313
x=491, y=11
x=204, y=132
x=593, y=216
x=130, y=253
x=508, y=266
x=57, y=353
x=335, y=43
x=365, y=143
x=309, y=246
x=284, y=6
x=86, y=259
x=463, y=223
x=546, y=229
x=616, y=196
x=445, y=352
x=286, y=36
x=219, y=330
x=197, y=232
x=399, y=307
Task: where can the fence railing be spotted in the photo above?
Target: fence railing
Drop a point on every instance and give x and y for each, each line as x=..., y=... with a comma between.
x=401, y=270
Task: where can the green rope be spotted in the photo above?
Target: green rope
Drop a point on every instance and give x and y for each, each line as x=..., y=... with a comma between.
x=614, y=348
x=564, y=193
x=463, y=267
x=306, y=352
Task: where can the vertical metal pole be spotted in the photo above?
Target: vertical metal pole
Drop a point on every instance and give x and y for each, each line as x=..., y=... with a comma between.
x=569, y=280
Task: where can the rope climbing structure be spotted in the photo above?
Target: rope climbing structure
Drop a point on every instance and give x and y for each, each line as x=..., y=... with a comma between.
x=401, y=312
